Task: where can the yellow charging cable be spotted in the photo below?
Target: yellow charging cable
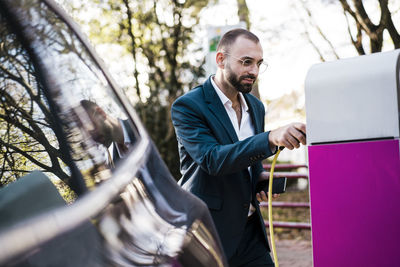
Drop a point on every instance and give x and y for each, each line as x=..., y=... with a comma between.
x=271, y=227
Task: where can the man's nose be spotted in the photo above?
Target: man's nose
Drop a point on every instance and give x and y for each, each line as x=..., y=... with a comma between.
x=253, y=70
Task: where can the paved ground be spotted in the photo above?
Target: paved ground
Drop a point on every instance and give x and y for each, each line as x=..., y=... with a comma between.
x=294, y=253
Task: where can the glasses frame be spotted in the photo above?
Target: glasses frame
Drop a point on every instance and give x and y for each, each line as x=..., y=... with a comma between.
x=245, y=65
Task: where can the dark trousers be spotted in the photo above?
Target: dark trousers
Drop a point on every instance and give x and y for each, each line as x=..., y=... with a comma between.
x=252, y=250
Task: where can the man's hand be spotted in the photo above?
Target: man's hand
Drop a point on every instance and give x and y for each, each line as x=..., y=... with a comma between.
x=263, y=196
x=289, y=136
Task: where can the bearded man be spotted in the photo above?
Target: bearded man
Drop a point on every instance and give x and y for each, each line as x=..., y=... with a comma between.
x=221, y=141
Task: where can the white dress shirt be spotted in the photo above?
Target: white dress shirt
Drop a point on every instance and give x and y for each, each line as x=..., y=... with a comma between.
x=246, y=128
x=110, y=149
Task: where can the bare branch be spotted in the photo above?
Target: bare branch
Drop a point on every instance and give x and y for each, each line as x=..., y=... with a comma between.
x=362, y=17
x=312, y=22
x=363, y=23
x=357, y=43
x=386, y=19
x=133, y=47
x=26, y=155
x=29, y=90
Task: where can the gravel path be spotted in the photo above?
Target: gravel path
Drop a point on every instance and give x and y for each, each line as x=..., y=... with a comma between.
x=294, y=253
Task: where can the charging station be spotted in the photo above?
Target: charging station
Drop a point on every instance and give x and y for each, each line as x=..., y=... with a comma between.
x=353, y=113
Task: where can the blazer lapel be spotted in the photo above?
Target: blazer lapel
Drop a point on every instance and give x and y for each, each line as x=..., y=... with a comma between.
x=216, y=107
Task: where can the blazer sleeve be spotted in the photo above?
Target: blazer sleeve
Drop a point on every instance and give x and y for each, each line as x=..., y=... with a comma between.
x=197, y=138
x=258, y=167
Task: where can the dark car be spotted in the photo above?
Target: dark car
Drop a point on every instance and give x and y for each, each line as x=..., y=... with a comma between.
x=72, y=193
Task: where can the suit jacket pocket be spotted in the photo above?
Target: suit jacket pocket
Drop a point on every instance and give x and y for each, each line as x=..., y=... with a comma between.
x=212, y=202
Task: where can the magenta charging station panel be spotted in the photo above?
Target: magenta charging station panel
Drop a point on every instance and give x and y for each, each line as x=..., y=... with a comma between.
x=352, y=109
x=355, y=197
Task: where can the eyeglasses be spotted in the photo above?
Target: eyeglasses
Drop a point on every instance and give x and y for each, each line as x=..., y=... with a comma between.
x=248, y=62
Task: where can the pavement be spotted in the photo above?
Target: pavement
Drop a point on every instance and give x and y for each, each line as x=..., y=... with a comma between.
x=294, y=253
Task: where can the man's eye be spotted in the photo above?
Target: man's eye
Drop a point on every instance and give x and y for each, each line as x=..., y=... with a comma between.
x=247, y=62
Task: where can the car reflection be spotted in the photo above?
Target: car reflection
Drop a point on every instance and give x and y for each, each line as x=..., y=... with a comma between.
x=81, y=182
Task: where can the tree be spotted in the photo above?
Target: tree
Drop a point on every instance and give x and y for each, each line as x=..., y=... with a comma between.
x=365, y=35
x=244, y=15
x=158, y=36
x=27, y=138
x=366, y=28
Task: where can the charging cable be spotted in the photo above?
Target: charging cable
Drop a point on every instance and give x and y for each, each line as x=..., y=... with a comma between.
x=271, y=227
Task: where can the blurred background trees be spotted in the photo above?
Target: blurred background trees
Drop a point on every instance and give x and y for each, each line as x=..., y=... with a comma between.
x=154, y=49
x=159, y=37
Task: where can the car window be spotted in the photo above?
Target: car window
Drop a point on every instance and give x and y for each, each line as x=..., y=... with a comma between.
x=95, y=124
x=27, y=138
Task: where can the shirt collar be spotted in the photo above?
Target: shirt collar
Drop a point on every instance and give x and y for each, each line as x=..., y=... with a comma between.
x=127, y=140
x=225, y=99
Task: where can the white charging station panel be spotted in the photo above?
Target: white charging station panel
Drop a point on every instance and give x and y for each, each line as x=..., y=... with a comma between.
x=354, y=99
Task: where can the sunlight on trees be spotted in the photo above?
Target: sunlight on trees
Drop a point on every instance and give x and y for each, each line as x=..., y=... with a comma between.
x=27, y=138
x=158, y=59
x=156, y=36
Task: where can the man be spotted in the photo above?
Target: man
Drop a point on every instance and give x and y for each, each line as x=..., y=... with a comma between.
x=115, y=134
x=219, y=128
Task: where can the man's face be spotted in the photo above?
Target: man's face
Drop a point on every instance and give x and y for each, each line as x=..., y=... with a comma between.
x=239, y=75
x=102, y=132
x=243, y=83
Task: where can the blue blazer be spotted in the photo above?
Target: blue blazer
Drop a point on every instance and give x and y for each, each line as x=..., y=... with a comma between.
x=214, y=163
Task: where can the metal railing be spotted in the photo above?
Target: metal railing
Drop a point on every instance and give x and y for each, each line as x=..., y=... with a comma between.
x=282, y=170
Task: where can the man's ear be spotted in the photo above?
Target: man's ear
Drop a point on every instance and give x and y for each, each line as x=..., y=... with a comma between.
x=220, y=60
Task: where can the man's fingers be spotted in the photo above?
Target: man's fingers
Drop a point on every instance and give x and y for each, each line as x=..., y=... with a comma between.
x=286, y=144
x=289, y=136
x=288, y=140
x=301, y=127
x=293, y=142
x=298, y=135
x=285, y=140
x=301, y=134
x=274, y=196
x=262, y=197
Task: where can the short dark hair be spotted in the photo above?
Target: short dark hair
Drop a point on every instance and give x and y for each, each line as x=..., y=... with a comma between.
x=88, y=105
x=230, y=37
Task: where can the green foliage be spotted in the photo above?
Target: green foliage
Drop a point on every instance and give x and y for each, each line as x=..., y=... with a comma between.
x=66, y=193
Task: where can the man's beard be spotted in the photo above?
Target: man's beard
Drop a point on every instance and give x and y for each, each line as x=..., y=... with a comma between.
x=103, y=134
x=235, y=81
